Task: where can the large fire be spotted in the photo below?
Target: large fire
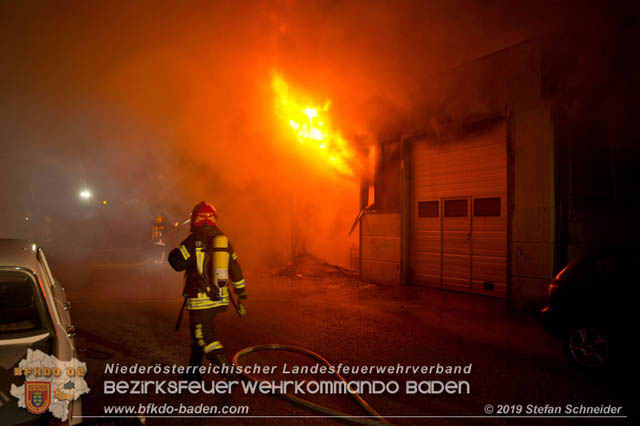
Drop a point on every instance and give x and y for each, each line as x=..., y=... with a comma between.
x=311, y=125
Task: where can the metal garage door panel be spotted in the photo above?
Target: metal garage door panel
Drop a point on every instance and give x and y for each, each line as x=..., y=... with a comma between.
x=472, y=253
x=428, y=241
x=380, y=248
x=489, y=252
x=456, y=244
x=427, y=246
x=429, y=273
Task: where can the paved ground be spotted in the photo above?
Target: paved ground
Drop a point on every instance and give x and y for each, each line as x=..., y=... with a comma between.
x=127, y=313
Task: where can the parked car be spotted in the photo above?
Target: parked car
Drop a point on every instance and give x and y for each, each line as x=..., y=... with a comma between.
x=588, y=307
x=34, y=313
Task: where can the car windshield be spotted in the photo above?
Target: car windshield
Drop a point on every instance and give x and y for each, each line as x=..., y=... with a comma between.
x=19, y=311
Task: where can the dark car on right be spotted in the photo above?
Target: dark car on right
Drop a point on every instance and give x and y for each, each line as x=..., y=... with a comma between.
x=588, y=307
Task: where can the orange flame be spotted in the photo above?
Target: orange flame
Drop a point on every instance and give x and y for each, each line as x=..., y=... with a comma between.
x=312, y=126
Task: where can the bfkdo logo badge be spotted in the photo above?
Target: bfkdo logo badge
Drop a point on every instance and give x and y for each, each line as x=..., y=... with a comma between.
x=37, y=396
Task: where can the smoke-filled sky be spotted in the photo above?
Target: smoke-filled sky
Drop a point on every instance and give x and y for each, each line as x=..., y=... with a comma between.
x=157, y=105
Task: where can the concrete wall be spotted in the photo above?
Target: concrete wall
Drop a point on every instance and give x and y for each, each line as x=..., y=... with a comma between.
x=380, y=248
x=533, y=205
x=507, y=80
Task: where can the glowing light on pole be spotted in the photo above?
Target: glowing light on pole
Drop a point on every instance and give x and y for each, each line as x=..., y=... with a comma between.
x=85, y=194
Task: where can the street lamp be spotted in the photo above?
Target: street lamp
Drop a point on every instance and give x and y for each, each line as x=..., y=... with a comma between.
x=85, y=194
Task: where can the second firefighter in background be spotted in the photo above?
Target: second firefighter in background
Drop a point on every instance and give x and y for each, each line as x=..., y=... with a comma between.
x=209, y=263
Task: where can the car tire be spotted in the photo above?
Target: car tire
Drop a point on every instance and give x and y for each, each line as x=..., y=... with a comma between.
x=588, y=349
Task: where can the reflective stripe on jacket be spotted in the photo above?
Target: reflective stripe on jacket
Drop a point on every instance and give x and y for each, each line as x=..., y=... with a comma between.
x=191, y=257
x=202, y=301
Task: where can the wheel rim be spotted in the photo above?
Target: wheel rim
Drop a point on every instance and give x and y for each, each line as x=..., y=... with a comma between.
x=589, y=347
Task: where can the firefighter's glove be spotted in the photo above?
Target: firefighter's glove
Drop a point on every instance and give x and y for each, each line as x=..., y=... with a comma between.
x=242, y=295
x=242, y=312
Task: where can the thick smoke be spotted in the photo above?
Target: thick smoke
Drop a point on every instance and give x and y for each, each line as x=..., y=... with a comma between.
x=156, y=106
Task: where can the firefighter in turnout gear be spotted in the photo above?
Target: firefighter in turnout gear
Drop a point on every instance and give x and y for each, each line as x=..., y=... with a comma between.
x=209, y=263
x=156, y=230
x=157, y=241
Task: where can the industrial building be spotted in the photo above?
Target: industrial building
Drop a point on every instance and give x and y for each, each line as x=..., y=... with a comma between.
x=513, y=165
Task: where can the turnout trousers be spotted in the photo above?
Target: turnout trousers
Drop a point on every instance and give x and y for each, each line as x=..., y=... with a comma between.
x=203, y=333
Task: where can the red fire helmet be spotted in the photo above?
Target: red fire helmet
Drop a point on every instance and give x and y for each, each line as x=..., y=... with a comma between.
x=204, y=214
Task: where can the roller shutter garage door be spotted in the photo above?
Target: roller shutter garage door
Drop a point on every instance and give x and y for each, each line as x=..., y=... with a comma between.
x=459, y=216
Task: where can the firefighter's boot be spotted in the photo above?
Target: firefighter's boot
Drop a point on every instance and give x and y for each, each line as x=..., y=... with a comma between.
x=219, y=358
x=195, y=361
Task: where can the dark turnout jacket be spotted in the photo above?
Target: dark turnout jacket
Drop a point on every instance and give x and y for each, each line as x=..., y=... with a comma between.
x=209, y=263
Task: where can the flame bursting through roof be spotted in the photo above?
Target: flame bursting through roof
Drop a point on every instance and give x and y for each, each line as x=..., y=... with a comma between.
x=312, y=126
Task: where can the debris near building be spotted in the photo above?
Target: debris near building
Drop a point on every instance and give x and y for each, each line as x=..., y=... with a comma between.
x=305, y=265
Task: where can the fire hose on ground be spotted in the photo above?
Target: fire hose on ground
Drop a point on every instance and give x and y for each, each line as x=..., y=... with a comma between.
x=374, y=419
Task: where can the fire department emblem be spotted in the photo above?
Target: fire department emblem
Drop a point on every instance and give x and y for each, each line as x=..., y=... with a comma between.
x=37, y=396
